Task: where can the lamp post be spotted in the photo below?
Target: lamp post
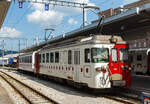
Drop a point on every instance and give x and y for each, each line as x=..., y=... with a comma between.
x=84, y=13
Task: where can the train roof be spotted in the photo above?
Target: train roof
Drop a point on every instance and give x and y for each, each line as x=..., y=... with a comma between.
x=101, y=39
x=11, y=55
x=120, y=24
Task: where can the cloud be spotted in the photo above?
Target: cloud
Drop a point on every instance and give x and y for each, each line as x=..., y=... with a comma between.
x=55, y=15
x=72, y=21
x=9, y=32
x=129, y=1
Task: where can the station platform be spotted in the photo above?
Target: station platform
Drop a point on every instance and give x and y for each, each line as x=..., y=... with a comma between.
x=141, y=83
x=4, y=98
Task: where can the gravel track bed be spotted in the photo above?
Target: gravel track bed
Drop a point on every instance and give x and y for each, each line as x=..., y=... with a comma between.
x=29, y=94
x=15, y=97
x=61, y=94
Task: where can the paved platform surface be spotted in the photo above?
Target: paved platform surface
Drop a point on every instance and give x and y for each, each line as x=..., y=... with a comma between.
x=4, y=98
x=141, y=82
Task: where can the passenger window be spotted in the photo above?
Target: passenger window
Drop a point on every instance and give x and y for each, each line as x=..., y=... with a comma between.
x=77, y=57
x=56, y=57
x=87, y=55
x=51, y=57
x=69, y=57
x=47, y=57
x=43, y=58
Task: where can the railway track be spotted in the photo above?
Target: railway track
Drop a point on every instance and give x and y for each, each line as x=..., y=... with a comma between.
x=31, y=95
x=119, y=97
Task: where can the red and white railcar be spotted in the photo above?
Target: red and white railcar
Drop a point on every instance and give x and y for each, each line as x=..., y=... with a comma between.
x=99, y=61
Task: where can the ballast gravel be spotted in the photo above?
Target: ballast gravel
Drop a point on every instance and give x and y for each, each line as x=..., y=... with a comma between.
x=61, y=94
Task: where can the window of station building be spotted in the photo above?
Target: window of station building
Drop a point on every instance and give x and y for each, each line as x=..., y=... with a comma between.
x=47, y=57
x=43, y=58
x=139, y=57
x=77, y=57
x=69, y=57
x=87, y=55
x=51, y=57
x=130, y=58
x=56, y=57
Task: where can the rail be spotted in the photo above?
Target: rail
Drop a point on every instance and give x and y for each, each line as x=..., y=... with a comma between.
x=31, y=95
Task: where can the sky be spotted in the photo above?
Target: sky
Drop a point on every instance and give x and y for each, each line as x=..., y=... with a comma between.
x=31, y=20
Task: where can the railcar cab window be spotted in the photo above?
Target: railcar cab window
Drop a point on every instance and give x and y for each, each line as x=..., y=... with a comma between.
x=87, y=55
x=47, y=57
x=43, y=58
x=69, y=57
x=124, y=55
x=100, y=55
x=114, y=55
x=56, y=57
x=51, y=57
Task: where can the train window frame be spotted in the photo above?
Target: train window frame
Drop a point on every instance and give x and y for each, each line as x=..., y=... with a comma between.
x=87, y=55
x=69, y=56
x=52, y=57
x=98, y=61
x=47, y=57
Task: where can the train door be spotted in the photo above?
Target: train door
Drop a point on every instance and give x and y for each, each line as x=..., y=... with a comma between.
x=148, y=63
x=114, y=65
x=76, y=65
x=37, y=64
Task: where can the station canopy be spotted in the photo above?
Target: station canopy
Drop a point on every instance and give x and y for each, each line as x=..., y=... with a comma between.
x=126, y=22
x=4, y=6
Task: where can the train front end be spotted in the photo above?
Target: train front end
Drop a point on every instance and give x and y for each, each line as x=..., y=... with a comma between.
x=119, y=66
